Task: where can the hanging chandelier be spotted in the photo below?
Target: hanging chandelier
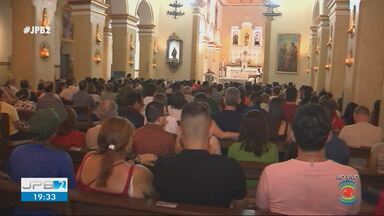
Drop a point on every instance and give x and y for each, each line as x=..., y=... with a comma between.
x=175, y=11
x=271, y=10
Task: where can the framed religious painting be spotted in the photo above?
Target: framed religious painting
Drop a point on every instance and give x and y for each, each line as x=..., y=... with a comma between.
x=235, y=33
x=288, y=50
x=174, y=56
x=257, y=36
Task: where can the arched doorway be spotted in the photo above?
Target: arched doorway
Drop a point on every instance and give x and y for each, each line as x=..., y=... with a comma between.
x=144, y=57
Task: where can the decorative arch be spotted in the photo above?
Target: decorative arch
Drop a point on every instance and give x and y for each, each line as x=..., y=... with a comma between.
x=320, y=7
x=145, y=12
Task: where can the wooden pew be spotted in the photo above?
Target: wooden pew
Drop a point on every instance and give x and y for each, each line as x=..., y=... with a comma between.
x=362, y=152
x=252, y=171
x=370, y=178
x=81, y=203
x=103, y=204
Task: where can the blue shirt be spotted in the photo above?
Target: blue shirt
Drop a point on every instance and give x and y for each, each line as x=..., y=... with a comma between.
x=37, y=160
x=337, y=150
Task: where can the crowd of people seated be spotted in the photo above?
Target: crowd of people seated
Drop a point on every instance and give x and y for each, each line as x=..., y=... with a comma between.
x=164, y=140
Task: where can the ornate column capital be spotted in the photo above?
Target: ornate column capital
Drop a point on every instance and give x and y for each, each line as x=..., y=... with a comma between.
x=324, y=21
x=124, y=20
x=338, y=8
x=146, y=29
x=83, y=7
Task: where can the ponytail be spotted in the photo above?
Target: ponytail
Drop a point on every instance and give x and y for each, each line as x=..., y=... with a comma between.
x=106, y=168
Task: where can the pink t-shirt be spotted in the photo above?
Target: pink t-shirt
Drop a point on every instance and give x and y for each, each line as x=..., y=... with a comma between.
x=297, y=187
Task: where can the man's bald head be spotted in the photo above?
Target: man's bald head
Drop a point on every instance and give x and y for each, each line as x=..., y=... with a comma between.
x=195, y=122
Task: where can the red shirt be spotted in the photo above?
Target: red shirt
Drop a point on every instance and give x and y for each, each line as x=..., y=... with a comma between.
x=289, y=111
x=73, y=139
x=380, y=206
x=153, y=139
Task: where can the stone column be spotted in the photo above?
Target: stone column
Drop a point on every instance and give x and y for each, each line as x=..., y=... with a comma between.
x=323, y=32
x=196, y=13
x=124, y=29
x=107, y=61
x=313, y=55
x=337, y=45
x=267, y=51
x=26, y=60
x=368, y=67
x=88, y=20
x=147, y=40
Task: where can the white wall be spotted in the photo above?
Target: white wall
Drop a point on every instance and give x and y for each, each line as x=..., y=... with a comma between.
x=5, y=39
x=296, y=18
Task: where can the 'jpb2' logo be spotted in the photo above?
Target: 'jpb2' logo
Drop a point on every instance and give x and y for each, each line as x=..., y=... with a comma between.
x=44, y=189
x=44, y=185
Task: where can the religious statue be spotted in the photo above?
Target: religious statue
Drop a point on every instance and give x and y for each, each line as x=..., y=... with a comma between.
x=257, y=39
x=174, y=53
x=98, y=37
x=44, y=21
x=246, y=39
x=235, y=39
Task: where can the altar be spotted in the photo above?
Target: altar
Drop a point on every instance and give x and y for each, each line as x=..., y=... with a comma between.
x=245, y=55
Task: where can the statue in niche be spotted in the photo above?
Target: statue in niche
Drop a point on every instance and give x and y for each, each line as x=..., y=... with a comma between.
x=174, y=53
x=246, y=39
x=257, y=39
x=235, y=39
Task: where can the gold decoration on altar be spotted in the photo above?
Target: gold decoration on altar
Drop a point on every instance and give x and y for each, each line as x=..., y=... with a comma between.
x=131, y=42
x=44, y=20
x=352, y=28
x=98, y=37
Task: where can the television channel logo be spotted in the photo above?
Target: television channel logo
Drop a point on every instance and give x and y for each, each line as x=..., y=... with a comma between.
x=44, y=189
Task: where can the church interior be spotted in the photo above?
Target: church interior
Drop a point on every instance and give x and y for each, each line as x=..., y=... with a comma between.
x=332, y=46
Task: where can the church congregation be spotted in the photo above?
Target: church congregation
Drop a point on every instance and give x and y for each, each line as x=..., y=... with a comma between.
x=193, y=107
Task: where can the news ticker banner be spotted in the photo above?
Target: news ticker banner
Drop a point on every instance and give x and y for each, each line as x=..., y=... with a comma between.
x=44, y=189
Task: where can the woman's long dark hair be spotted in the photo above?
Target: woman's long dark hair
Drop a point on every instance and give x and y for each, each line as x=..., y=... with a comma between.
x=116, y=131
x=348, y=113
x=178, y=100
x=275, y=116
x=254, y=133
